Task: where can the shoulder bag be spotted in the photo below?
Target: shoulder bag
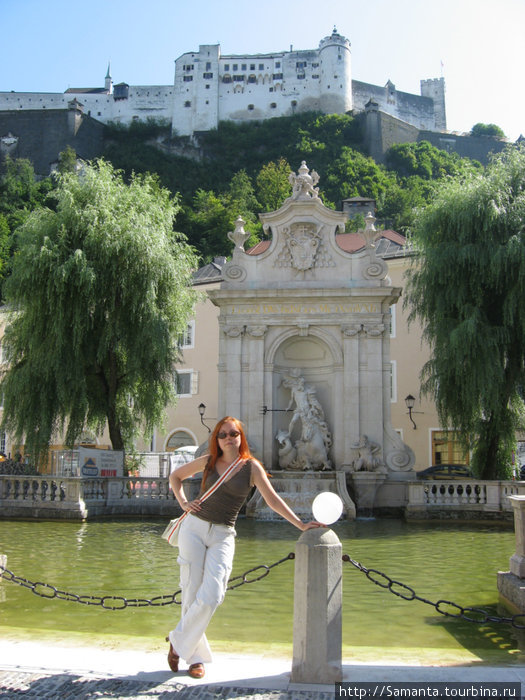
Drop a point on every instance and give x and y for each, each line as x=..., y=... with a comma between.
x=171, y=533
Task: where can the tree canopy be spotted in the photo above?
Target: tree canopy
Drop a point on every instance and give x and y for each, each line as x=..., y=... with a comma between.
x=467, y=288
x=99, y=292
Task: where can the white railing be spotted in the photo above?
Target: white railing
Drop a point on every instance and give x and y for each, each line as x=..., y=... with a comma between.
x=468, y=494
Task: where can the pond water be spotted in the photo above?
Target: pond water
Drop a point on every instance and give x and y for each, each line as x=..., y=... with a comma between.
x=455, y=562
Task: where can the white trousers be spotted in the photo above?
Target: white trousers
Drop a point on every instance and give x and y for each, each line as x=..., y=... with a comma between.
x=205, y=560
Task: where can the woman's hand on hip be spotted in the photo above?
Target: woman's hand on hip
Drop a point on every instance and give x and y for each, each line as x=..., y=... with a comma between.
x=192, y=506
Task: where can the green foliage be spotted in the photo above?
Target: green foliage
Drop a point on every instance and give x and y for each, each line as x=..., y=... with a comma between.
x=467, y=289
x=67, y=161
x=273, y=185
x=481, y=129
x=100, y=291
x=426, y=161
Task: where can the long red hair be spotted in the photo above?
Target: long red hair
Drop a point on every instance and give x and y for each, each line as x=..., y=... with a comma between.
x=215, y=450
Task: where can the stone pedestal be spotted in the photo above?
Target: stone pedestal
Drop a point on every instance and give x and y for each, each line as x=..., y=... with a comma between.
x=298, y=490
x=365, y=489
x=511, y=584
x=317, y=628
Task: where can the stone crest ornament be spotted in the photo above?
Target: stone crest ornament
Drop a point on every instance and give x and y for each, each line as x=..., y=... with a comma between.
x=304, y=183
x=239, y=236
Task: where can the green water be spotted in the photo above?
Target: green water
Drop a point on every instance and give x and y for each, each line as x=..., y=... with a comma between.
x=456, y=562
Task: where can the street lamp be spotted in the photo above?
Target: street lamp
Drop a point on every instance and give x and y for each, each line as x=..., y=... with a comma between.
x=410, y=401
x=202, y=411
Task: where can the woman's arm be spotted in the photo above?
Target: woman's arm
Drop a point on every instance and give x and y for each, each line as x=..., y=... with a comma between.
x=274, y=501
x=184, y=472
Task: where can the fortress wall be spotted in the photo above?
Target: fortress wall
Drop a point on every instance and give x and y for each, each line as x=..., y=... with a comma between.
x=42, y=135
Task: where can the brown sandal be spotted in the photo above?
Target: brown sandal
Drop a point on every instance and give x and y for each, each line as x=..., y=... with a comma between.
x=196, y=670
x=173, y=658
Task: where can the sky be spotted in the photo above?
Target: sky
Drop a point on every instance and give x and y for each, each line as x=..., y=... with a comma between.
x=478, y=46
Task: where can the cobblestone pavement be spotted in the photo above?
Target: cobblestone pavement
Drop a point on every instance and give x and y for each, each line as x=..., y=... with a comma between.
x=45, y=686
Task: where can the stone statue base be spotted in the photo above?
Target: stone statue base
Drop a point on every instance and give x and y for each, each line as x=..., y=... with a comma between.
x=298, y=490
x=365, y=489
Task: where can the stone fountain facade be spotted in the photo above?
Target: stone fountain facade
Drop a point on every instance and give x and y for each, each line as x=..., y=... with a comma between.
x=304, y=356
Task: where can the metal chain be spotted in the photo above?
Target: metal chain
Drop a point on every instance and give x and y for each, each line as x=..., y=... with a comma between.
x=117, y=602
x=444, y=607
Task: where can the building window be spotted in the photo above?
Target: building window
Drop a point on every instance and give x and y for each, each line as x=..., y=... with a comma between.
x=273, y=105
x=187, y=103
x=300, y=76
x=294, y=103
x=315, y=65
x=3, y=443
x=250, y=107
x=207, y=76
x=226, y=67
x=447, y=449
x=277, y=76
x=238, y=78
x=277, y=64
x=187, y=339
x=261, y=66
x=235, y=66
x=315, y=76
x=188, y=78
x=392, y=321
x=207, y=87
x=186, y=382
x=252, y=79
x=243, y=67
x=180, y=438
x=208, y=65
x=393, y=381
x=300, y=65
x=226, y=79
x=252, y=66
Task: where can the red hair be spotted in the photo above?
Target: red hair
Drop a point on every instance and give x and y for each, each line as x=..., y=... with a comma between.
x=215, y=450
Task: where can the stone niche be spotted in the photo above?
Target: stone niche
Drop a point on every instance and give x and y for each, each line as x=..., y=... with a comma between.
x=305, y=308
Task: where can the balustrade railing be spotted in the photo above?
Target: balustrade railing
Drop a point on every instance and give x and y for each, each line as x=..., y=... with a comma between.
x=471, y=494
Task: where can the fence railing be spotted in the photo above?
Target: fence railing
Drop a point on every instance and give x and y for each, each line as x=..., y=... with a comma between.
x=470, y=494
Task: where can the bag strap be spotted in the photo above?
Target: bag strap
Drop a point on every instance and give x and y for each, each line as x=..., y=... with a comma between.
x=213, y=487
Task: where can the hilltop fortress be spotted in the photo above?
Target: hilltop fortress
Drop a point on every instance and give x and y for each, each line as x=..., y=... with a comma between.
x=209, y=88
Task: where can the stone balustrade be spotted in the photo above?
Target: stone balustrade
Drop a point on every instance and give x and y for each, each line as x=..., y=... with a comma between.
x=76, y=498
x=57, y=497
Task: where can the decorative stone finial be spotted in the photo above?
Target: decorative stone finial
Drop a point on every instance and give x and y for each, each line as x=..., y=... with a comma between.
x=370, y=232
x=304, y=183
x=239, y=236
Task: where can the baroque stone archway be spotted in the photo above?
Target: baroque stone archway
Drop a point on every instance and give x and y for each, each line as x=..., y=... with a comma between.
x=305, y=303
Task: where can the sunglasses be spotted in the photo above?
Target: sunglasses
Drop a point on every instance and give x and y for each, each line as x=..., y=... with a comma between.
x=232, y=434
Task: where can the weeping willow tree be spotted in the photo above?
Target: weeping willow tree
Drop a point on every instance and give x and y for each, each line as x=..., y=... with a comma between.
x=467, y=288
x=99, y=292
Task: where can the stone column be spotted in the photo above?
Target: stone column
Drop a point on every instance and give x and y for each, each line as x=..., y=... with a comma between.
x=517, y=560
x=317, y=627
x=511, y=584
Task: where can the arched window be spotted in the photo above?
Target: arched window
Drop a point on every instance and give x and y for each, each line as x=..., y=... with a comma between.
x=180, y=438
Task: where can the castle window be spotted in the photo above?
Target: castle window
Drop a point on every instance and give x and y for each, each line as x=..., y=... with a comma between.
x=207, y=76
x=261, y=66
x=300, y=76
x=277, y=76
x=252, y=66
x=226, y=79
x=315, y=77
x=270, y=89
x=226, y=66
x=277, y=64
x=243, y=67
x=188, y=78
x=187, y=103
x=273, y=105
x=235, y=66
x=315, y=65
x=207, y=87
x=208, y=65
x=294, y=103
x=300, y=64
x=252, y=79
x=250, y=107
x=238, y=78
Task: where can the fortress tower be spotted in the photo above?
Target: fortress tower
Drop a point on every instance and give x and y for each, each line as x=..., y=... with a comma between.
x=336, y=74
x=435, y=89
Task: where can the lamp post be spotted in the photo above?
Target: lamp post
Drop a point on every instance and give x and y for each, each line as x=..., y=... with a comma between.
x=410, y=401
x=202, y=411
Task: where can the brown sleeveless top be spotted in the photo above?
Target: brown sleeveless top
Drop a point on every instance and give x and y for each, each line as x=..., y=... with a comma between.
x=223, y=506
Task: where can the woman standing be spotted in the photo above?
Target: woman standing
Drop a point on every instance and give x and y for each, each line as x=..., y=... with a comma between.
x=207, y=536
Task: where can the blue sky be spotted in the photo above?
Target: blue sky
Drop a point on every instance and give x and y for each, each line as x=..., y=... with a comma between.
x=478, y=45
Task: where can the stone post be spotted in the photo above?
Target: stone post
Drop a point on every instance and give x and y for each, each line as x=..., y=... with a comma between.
x=511, y=584
x=317, y=627
x=517, y=560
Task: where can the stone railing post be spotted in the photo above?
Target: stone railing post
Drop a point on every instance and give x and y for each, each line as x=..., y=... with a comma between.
x=511, y=584
x=317, y=626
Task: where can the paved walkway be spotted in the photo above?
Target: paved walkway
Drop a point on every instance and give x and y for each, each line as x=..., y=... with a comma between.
x=45, y=672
